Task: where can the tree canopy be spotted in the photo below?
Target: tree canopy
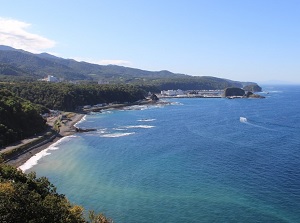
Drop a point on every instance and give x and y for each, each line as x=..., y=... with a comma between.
x=27, y=198
x=19, y=118
x=67, y=97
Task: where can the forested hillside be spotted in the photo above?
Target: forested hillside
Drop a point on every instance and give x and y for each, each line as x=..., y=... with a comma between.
x=19, y=118
x=68, y=97
x=11, y=73
x=37, y=67
x=194, y=83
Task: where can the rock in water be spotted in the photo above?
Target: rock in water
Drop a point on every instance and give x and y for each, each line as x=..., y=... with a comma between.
x=154, y=97
x=233, y=91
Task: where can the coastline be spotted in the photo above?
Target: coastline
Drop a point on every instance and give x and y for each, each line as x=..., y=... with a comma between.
x=66, y=129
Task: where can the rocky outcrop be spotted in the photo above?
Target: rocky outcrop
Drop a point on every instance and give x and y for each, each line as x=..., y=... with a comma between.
x=153, y=97
x=233, y=92
x=253, y=88
x=248, y=94
x=251, y=95
x=84, y=130
x=239, y=93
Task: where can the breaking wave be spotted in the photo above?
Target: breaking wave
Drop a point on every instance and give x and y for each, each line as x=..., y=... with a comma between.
x=136, y=107
x=116, y=135
x=81, y=120
x=139, y=127
x=176, y=103
x=119, y=129
x=34, y=159
x=147, y=120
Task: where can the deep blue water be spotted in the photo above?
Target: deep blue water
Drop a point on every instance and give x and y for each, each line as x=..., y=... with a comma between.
x=192, y=161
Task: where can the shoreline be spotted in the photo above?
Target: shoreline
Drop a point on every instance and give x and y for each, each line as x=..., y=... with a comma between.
x=66, y=129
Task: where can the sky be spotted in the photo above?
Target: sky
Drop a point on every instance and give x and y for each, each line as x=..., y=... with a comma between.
x=243, y=40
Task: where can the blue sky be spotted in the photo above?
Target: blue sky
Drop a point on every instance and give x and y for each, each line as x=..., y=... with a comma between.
x=245, y=40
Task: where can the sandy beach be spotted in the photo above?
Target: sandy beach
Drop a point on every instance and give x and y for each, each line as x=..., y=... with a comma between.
x=66, y=129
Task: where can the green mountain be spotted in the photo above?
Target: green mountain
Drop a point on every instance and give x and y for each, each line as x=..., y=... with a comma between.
x=9, y=70
x=21, y=65
x=41, y=65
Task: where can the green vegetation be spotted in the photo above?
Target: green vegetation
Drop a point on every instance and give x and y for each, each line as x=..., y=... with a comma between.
x=10, y=73
x=21, y=104
x=68, y=97
x=191, y=83
x=6, y=69
x=21, y=65
x=26, y=198
x=41, y=65
x=9, y=154
x=253, y=88
x=19, y=118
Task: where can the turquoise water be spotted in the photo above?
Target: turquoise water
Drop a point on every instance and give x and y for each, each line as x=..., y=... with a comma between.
x=191, y=161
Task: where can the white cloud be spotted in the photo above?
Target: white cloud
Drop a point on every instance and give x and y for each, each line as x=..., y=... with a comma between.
x=13, y=33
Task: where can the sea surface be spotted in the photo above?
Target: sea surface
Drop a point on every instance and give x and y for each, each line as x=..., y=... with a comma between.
x=194, y=160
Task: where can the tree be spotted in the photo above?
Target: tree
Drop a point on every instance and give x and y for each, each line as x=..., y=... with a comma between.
x=98, y=218
x=18, y=118
x=26, y=198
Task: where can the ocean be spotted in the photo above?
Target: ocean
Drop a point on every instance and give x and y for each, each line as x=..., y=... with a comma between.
x=194, y=160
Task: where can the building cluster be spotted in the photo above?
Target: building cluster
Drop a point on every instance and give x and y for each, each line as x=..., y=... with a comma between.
x=192, y=93
x=51, y=78
x=172, y=92
x=103, y=82
x=92, y=106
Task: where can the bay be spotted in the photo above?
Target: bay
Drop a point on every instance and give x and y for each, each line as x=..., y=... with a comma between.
x=194, y=160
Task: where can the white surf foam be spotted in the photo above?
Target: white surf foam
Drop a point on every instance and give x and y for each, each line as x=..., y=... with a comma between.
x=107, y=111
x=117, y=135
x=147, y=120
x=136, y=107
x=139, y=127
x=102, y=131
x=119, y=129
x=144, y=107
x=34, y=160
x=176, y=103
x=81, y=120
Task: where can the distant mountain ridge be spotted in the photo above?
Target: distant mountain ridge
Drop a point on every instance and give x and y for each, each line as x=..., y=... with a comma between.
x=2, y=47
x=40, y=65
x=20, y=63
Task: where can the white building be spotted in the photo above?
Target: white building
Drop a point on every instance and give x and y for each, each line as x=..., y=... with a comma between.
x=51, y=78
x=172, y=92
x=103, y=82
